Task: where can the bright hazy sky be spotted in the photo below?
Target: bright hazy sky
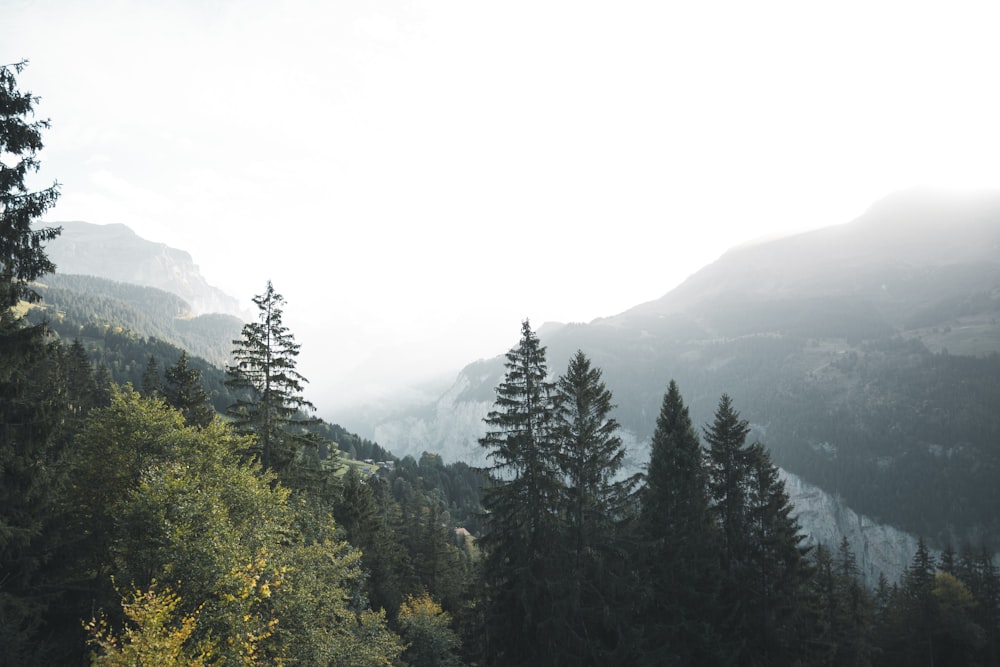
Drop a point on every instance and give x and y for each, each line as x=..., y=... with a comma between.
x=418, y=177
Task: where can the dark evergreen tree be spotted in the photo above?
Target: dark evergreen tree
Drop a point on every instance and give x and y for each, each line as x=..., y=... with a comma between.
x=949, y=560
x=854, y=622
x=520, y=519
x=152, y=383
x=81, y=384
x=679, y=542
x=984, y=583
x=32, y=411
x=824, y=612
x=838, y=624
x=589, y=625
x=728, y=473
x=727, y=478
x=270, y=404
x=773, y=593
x=883, y=597
x=30, y=406
x=910, y=616
x=764, y=572
x=437, y=562
x=185, y=392
x=839, y=617
x=22, y=247
x=371, y=520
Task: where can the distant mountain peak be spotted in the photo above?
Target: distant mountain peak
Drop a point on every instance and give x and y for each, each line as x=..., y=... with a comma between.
x=115, y=252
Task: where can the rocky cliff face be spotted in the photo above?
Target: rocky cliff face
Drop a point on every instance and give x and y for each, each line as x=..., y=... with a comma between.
x=825, y=519
x=451, y=427
x=115, y=252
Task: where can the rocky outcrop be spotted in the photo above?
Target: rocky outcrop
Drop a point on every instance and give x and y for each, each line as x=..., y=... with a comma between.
x=825, y=519
x=452, y=428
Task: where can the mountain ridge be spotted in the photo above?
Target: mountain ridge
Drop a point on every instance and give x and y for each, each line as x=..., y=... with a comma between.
x=920, y=210
x=115, y=252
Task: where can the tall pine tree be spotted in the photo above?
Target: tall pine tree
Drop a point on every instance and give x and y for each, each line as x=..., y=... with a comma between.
x=30, y=409
x=680, y=545
x=152, y=383
x=185, y=392
x=270, y=404
x=763, y=571
x=589, y=625
x=519, y=504
x=774, y=592
x=22, y=248
x=728, y=472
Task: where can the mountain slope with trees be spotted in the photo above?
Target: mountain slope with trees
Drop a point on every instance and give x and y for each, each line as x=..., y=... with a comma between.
x=88, y=306
x=117, y=253
x=865, y=355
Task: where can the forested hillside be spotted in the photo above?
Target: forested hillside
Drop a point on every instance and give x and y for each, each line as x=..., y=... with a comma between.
x=864, y=355
x=117, y=253
x=88, y=306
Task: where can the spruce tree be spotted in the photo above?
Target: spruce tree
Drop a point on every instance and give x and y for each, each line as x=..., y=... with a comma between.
x=22, y=248
x=679, y=543
x=985, y=587
x=520, y=519
x=589, y=624
x=728, y=472
x=30, y=405
x=772, y=596
x=270, y=404
x=824, y=613
x=152, y=383
x=185, y=392
x=856, y=610
x=763, y=571
x=81, y=384
x=370, y=518
x=909, y=619
x=437, y=562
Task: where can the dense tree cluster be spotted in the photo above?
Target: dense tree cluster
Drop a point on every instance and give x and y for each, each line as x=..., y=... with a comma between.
x=703, y=564
x=87, y=306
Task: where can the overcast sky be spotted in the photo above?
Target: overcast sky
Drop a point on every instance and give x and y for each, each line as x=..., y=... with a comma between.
x=418, y=177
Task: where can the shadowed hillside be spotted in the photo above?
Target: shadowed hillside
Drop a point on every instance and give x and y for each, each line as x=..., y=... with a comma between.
x=865, y=356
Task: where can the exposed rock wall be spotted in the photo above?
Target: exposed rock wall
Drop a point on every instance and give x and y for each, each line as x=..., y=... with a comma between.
x=825, y=519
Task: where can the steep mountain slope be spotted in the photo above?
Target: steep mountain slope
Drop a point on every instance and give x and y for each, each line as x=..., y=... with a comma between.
x=887, y=271
x=117, y=253
x=88, y=306
x=864, y=355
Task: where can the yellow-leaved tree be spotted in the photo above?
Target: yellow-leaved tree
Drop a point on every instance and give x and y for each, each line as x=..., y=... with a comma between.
x=157, y=500
x=426, y=628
